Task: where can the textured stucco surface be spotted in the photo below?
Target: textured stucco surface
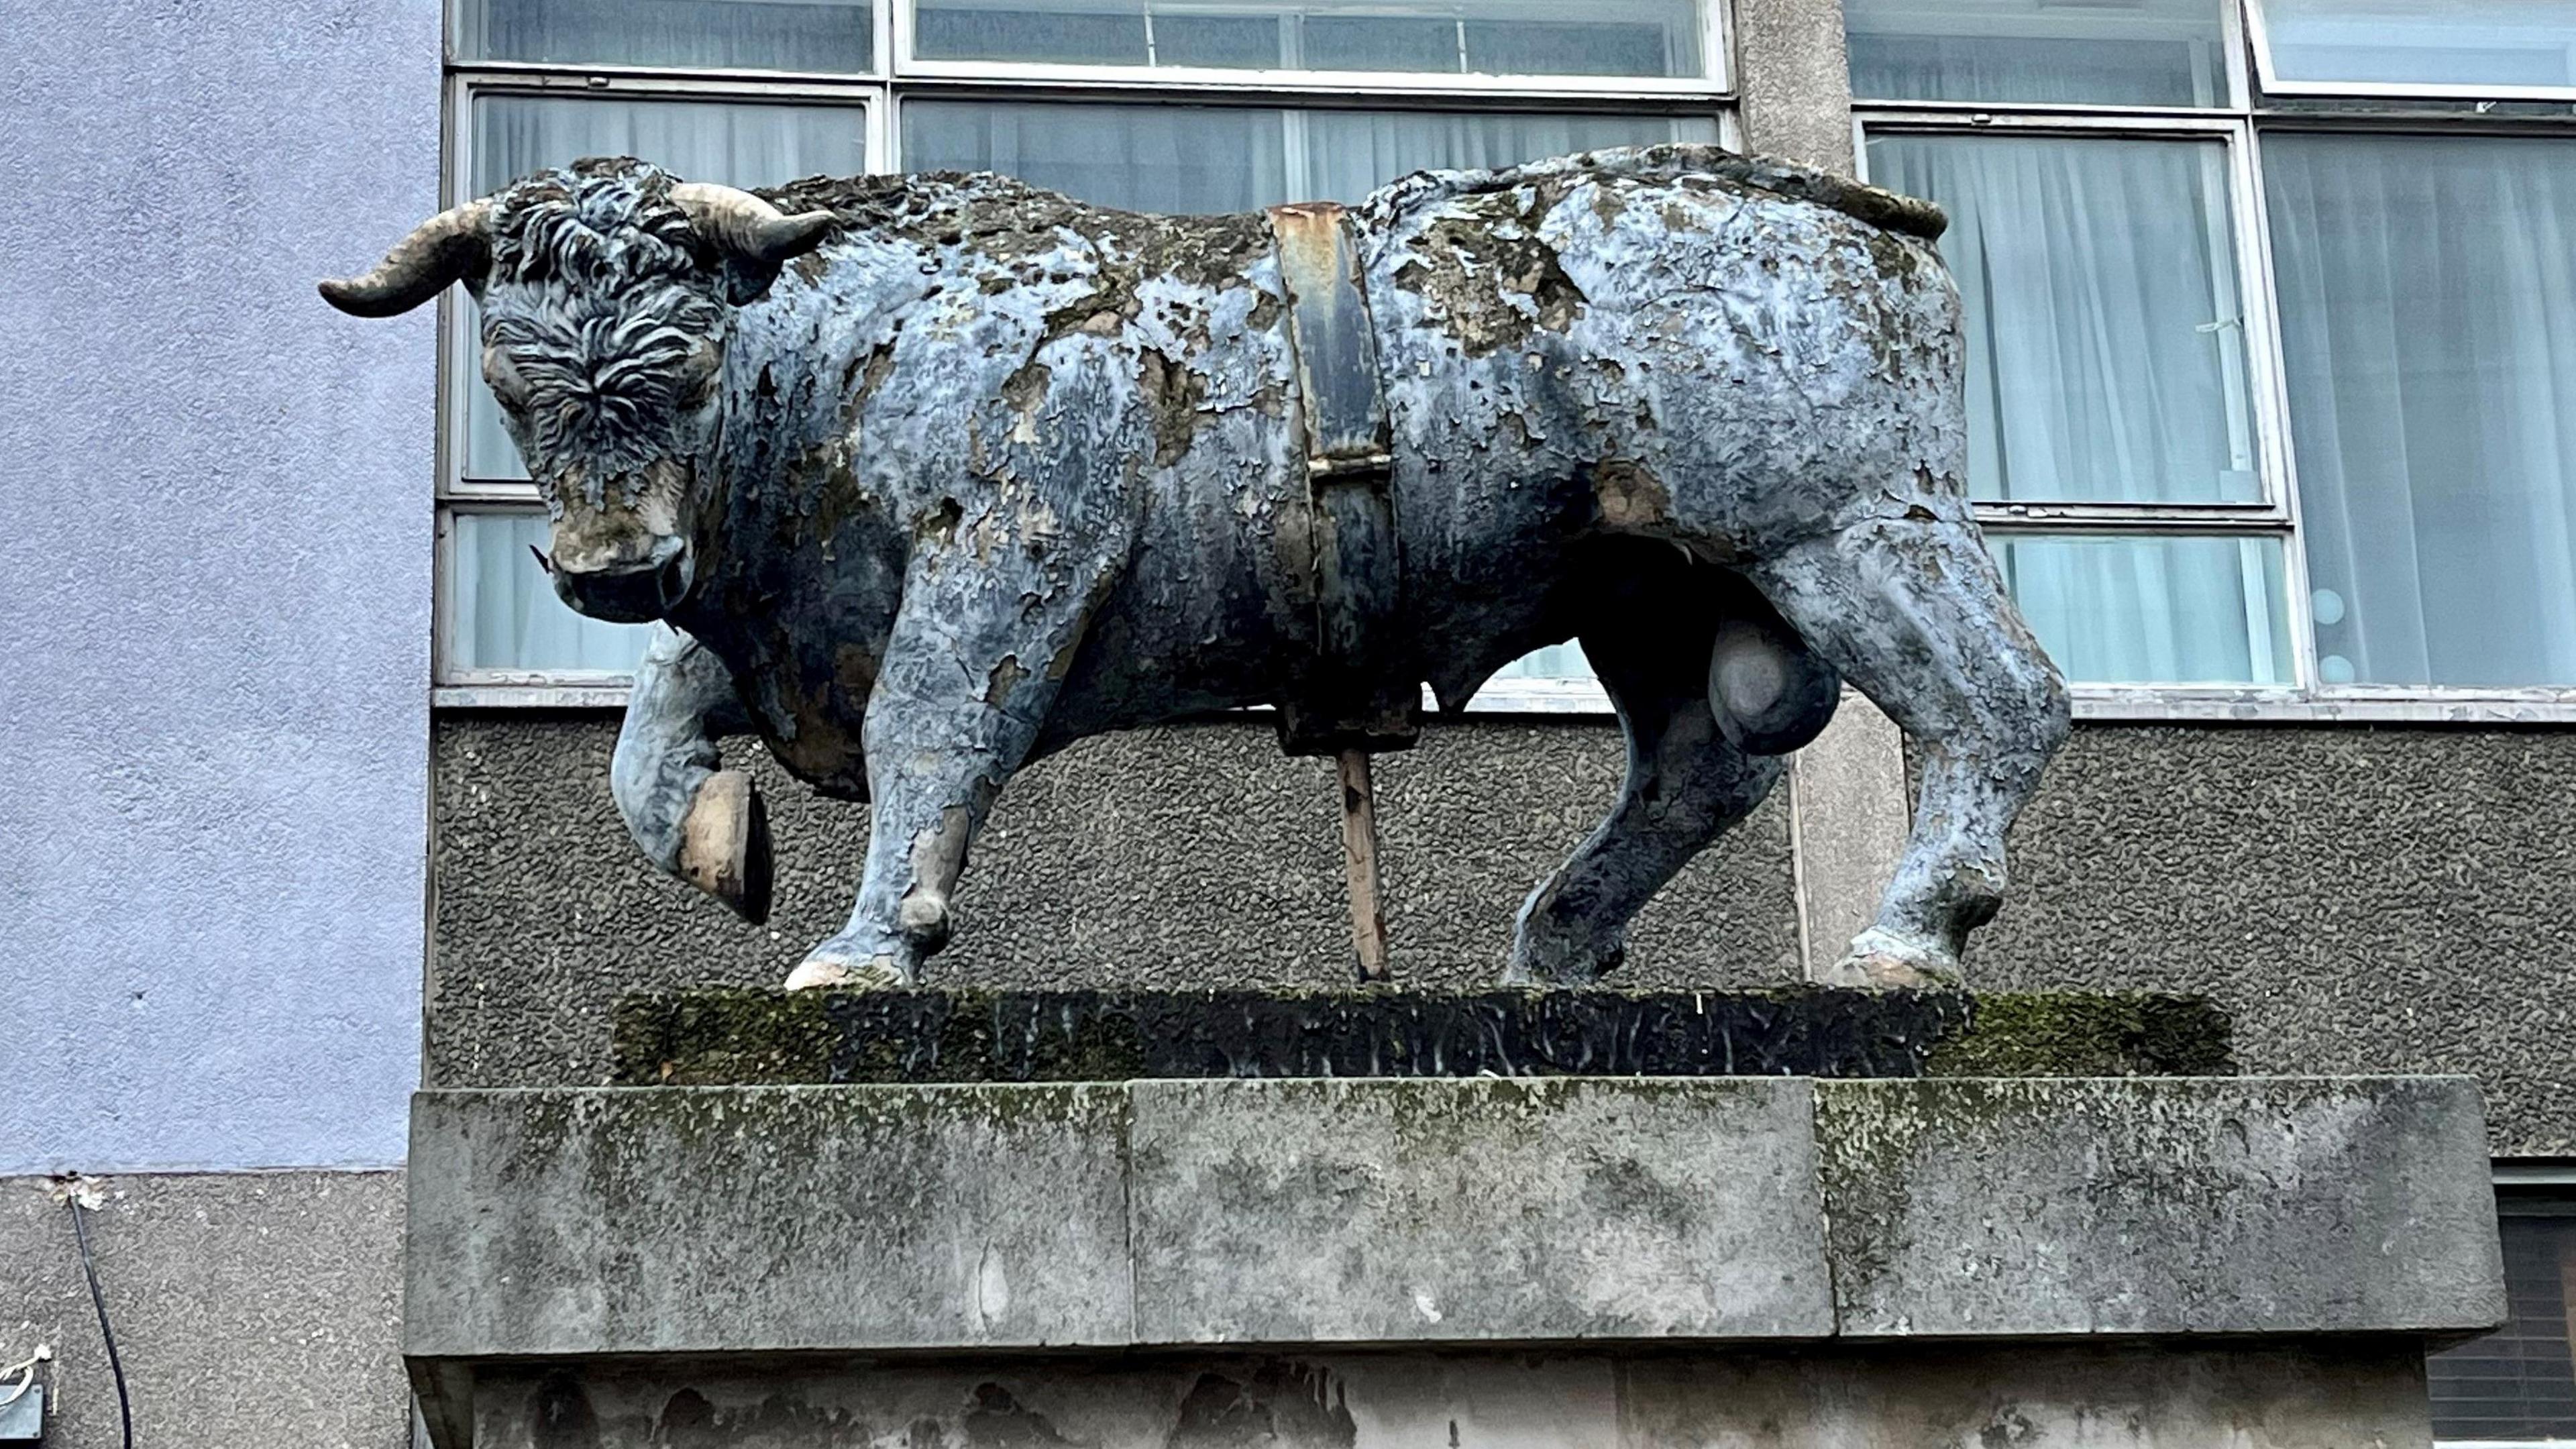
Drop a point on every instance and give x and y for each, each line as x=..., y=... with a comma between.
x=1192, y=856
x=215, y=537
x=2357, y=900
x=1794, y=79
x=252, y=1310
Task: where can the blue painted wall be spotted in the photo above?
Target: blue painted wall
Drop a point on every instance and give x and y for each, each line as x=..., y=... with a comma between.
x=215, y=531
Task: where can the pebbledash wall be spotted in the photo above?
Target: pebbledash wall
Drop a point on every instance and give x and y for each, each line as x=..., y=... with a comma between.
x=215, y=529
x=214, y=625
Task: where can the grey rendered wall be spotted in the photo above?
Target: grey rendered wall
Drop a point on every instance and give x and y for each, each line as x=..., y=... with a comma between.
x=253, y=1310
x=214, y=583
x=1184, y=857
x=2361, y=900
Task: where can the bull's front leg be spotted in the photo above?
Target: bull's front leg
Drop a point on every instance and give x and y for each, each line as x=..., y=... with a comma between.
x=688, y=814
x=973, y=665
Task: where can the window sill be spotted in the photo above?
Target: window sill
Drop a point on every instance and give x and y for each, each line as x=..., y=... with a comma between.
x=1583, y=698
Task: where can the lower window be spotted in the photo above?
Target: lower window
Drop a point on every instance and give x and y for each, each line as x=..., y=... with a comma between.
x=2517, y=1386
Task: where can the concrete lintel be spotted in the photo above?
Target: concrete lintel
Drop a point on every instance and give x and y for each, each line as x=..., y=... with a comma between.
x=2176, y=1207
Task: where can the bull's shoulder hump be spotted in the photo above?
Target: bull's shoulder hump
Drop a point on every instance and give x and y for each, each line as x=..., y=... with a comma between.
x=1887, y=210
x=947, y=207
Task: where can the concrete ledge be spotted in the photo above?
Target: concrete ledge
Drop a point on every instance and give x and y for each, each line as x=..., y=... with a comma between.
x=573, y=1224
x=677, y=1221
x=1566, y=1208
x=2256, y=1205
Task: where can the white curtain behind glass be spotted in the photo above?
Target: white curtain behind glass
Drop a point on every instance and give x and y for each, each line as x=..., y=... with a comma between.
x=2137, y=53
x=2153, y=610
x=2105, y=351
x=505, y=613
x=1547, y=37
x=815, y=35
x=506, y=616
x=2428, y=312
x=2106, y=364
x=2423, y=42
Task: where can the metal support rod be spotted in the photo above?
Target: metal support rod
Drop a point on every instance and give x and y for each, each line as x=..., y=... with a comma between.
x=1359, y=864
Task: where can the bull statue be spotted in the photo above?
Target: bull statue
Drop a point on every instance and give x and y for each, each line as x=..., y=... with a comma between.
x=930, y=476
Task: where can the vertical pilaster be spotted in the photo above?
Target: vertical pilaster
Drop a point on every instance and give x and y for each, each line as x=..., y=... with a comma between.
x=1792, y=77
x=1848, y=806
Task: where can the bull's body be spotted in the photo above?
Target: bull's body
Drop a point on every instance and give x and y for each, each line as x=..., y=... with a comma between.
x=1567, y=352
x=996, y=472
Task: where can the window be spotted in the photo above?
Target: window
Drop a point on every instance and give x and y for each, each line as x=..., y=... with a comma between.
x=2473, y=48
x=1167, y=105
x=2517, y=1386
x=2141, y=53
x=2265, y=399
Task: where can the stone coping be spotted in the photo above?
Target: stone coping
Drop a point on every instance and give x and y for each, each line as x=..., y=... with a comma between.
x=773, y=1038
x=551, y=1224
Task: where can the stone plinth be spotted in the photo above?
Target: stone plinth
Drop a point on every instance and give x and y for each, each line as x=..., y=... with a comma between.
x=1741, y=1261
x=774, y=1038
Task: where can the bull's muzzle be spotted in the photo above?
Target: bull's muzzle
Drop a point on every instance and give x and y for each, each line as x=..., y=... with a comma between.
x=633, y=591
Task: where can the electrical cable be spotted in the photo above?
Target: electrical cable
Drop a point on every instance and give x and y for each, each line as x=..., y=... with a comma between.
x=98, y=1300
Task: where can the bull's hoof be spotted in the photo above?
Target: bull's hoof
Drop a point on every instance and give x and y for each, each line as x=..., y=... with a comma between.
x=724, y=844
x=821, y=972
x=1540, y=959
x=1885, y=961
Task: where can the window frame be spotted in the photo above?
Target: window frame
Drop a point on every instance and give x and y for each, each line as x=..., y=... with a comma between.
x=2259, y=37
x=896, y=77
x=2274, y=514
x=2258, y=109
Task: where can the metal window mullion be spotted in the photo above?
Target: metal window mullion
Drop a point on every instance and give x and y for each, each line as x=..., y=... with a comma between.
x=1717, y=44
x=1555, y=91
x=1380, y=98
x=2231, y=30
x=2263, y=352
x=2225, y=520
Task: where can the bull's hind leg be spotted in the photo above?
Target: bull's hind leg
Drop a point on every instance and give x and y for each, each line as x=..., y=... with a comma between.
x=694, y=819
x=1913, y=611
x=1685, y=783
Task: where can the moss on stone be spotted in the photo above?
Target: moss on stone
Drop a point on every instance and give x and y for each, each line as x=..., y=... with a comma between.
x=739, y=1037
x=2087, y=1034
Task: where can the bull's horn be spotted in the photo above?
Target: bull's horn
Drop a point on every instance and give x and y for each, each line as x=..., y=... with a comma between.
x=747, y=226
x=448, y=247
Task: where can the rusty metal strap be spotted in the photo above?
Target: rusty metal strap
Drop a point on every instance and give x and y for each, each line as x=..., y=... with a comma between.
x=1357, y=699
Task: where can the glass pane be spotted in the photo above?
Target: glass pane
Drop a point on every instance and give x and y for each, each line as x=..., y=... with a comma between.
x=2137, y=53
x=2428, y=317
x=1441, y=37
x=814, y=35
x=1231, y=158
x=503, y=609
x=2106, y=343
x=744, y=144
x=2450, y=43
x=2516, y=1384
x=2153, y=609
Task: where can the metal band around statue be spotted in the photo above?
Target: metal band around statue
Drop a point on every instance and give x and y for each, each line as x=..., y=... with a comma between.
x=926, y=477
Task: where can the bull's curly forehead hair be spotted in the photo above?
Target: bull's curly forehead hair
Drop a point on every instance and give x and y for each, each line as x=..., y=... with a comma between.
x=606, y=223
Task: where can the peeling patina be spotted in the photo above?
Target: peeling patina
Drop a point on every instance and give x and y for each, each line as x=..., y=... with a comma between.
x=942, y=473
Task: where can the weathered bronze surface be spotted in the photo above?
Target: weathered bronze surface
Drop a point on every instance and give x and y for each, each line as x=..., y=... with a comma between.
x=929, y=476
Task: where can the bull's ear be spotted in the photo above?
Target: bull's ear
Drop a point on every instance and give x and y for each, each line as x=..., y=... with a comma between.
x=453, y=246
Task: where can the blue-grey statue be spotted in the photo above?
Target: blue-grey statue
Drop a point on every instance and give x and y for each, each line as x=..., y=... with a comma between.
x=930, y=476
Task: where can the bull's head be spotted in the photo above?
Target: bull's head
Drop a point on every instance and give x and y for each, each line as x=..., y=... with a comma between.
x=606, y=291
